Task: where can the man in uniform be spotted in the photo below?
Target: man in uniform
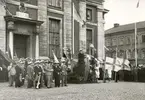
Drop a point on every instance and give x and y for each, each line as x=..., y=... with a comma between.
x=64, y=73
x=18, y=76
x=42, y=65
x=30, y=74
x=57, y=71
x=48, y=73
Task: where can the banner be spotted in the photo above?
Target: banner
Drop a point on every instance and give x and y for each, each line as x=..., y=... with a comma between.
x=76, y=15
x=126, y=65
x=109, y=60
x=55, y=58
x=126, y=62
x=117, y=68
x=5, y=59
x=119, y=61
x=109, y=67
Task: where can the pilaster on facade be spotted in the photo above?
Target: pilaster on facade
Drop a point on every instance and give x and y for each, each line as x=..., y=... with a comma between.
x=82, y=11
x=101, y=34
x=67, y=24
x=2, y=29
x=42, y=16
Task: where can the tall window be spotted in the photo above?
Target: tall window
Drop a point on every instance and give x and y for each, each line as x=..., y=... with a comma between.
x=54, y=37
x=55, y=3
x=128, y=40
x=121, y=41
x=89, y=39
x=143, y=38
x=114, y=42
x=107, y=42
x=89, y=14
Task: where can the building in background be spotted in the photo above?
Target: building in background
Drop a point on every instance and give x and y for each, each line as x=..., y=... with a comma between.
x=33, y=28
x=122, y=37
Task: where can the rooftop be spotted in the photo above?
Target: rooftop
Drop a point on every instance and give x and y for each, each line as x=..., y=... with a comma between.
x=125, y=27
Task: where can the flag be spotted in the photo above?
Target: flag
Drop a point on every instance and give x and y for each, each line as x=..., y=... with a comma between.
x=55, y=58
x=109, y=66
x=109, y=63
x=117, y=68
x=76, y=15
x=137, y=4
x=118, y=64
x=4, y=58
x=119, y=61
x=109, y=60
x=106, y=48
x=126, y=65
x=126, y=62
x=64, y=55
x=9, y=53
x=3, y=3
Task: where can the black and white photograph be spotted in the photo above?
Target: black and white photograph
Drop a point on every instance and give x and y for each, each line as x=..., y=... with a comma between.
x=72, y=50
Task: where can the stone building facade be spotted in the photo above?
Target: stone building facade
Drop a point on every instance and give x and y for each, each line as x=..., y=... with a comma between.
x=122, y=37
x=33, y=28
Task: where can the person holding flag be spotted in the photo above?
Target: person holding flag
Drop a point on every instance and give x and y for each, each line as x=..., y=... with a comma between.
x=57, y=70
x=11, y=73
x=64, y=72
x=37, y=75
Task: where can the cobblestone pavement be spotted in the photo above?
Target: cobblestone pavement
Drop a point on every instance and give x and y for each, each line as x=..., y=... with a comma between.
x=101, y=91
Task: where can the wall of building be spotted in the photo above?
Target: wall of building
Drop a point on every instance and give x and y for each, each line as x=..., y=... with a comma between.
x=40, y=10
x=128, y=45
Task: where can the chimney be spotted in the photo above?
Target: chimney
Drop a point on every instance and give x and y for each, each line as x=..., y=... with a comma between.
x=116, y=25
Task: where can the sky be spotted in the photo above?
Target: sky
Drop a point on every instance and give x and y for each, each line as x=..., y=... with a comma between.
x=123, y=12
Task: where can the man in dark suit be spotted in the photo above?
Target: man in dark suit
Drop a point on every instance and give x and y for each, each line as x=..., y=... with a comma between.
x=57, y=71
x=18, y=76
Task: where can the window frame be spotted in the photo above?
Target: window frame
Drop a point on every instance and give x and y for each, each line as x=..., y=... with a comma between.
x=55, y=5
x=92, y=30
x=91, y=9
x=114, y=42
x=59, y=40
x=143, y=38
x=121, y=40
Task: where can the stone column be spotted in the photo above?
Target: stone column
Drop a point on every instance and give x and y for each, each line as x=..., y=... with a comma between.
x=37, y=47
x=11, y=37
x=37, y=43
x=101, y=35
x=82, y=10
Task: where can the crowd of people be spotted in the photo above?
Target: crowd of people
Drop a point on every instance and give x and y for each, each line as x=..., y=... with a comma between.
x=38, y=73
x=94, y=74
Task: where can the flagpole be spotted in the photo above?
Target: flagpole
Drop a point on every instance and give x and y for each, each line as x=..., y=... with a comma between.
x=135, y=45
x=135, y=34
x=115, y=72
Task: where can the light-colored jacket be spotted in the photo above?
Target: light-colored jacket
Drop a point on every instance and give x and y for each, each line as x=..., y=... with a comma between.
x=48, y=69
x=11, y=70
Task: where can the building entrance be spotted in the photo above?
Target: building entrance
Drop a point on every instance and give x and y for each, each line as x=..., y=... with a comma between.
x=20, y=45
